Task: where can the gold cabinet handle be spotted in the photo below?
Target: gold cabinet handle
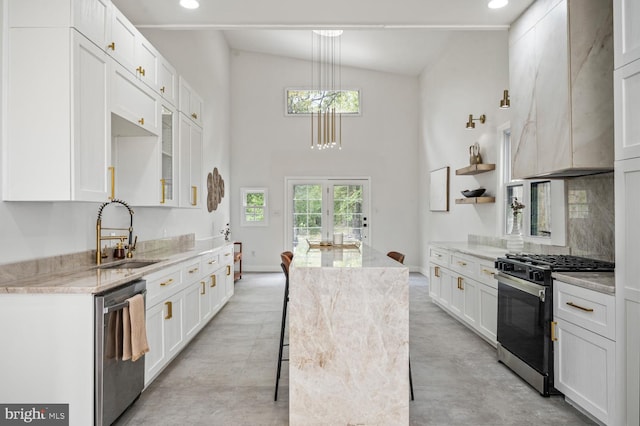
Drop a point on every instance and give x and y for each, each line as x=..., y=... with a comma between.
x=162, y=90
x=141, y=121
x=213, y=281
x=582, y=308
x=112, y=170
x=140, y=70
x=163, y=184
x=227, y=254
x=169, y=281
x=112, y=46
x=191, y=271
x=194, y=193
x=169, y=306
x=194, y=115
x=203, y=284
x=228, y=269
x=461, y=263
x=460, y=285
x=436, y=271
x=212, y=261
x=554, y=337
x=488, y=272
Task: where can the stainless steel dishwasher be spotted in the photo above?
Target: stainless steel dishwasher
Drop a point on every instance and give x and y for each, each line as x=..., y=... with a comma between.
x=118, y=383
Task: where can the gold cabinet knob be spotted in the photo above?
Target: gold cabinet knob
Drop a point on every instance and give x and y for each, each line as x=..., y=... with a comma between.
x=194, y=115
x=140, y=70
x=141, y=121
x=162, y=89
x=112, y=46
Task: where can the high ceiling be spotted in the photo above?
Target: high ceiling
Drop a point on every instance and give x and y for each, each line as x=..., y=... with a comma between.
x=399, y=36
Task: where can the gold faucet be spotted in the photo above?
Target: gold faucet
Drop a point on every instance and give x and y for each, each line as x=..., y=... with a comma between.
x=99, y=237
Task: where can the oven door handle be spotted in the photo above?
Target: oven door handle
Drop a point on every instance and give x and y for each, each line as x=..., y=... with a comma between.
x=522, y=285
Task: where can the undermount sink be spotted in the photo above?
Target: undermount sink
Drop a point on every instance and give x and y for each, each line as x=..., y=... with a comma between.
x=128, y=264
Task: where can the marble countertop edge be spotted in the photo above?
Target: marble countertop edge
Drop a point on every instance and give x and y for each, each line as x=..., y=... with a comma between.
x=93, y=280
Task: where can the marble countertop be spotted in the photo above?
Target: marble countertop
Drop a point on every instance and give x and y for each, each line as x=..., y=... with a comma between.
x=93, y=280
x=338, y=257
x=484, y=252
x=603, y=282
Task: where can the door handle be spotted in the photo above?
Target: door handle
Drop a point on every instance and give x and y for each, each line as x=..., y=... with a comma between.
x=169, y=306
x=554, y=337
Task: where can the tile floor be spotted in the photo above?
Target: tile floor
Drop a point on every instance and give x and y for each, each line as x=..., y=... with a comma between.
x=226, y=375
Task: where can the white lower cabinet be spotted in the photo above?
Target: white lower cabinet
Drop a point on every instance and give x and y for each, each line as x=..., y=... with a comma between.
x=584, y=357
x=181, y=300
x=464, y=286
x=487, y=323
x=165, y=334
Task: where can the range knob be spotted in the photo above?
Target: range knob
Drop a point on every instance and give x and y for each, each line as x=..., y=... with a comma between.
x=536, y=276
x=508, y=266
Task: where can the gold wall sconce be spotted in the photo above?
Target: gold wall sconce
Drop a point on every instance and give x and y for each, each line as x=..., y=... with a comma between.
x=471, y=124
x=505, y=102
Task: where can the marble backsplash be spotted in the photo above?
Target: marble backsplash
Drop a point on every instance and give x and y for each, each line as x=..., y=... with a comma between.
x=591, y=216
x=590, y=221
x=75, y=261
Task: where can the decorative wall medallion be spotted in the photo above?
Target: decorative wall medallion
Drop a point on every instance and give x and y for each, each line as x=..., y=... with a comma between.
x=215, y=187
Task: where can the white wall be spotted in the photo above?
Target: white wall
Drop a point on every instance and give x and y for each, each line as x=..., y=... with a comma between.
x=268, y=146
x=468, y=79
x=40, y=229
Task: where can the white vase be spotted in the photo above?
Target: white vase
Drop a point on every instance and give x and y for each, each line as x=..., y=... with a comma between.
x=515, y=242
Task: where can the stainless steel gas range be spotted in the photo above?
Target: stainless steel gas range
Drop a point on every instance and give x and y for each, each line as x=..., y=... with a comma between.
x=525, y=312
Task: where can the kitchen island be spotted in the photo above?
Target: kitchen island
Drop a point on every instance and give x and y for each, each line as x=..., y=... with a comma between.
x=348, y=337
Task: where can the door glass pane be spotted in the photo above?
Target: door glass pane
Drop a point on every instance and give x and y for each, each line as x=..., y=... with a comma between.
x=347, y=211
x=167, y=152
x=541, y=209
x=307, y=213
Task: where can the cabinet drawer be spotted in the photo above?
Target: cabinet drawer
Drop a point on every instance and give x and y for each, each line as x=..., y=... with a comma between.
x=226, y=256
x=210, y=262
x=439, y=256
x=162, y=284
x=464, y=265
x=586, y=308
x=485, y=273
x=192, y=271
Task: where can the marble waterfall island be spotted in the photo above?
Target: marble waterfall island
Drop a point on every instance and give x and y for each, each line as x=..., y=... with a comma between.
x=348, y=338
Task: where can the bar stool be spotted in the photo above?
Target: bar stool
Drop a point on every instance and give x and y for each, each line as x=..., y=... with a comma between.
x=399, y=257
x=286, y=258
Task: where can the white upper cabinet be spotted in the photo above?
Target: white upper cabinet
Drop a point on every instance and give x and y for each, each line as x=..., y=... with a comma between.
x=89, y=17
x=190, y=192
x=168, y=81
x=57, y=121
x=561, y=70
x=627, y=31
x=121, y=41
x=190, y=102
x=137, y=55
x=133, y=101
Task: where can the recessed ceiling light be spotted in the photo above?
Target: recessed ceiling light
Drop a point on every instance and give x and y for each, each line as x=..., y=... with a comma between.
x=497, y=4
x=190, y=4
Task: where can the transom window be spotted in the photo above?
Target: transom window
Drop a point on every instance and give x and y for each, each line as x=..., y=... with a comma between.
x=305, y=101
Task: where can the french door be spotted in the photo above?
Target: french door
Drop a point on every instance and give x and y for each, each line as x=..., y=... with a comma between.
x=318, y=208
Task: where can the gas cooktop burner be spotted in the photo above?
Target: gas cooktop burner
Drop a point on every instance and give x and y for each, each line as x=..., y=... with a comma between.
x=564, y=263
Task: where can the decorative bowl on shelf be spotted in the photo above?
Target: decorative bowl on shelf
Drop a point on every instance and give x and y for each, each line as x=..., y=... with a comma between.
x=473, y=193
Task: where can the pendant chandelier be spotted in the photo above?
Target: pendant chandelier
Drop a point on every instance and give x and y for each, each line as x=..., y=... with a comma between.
x=326, y=115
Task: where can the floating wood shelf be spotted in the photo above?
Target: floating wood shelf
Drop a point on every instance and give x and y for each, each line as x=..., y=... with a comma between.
x=474, y=169
x=476, y=200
